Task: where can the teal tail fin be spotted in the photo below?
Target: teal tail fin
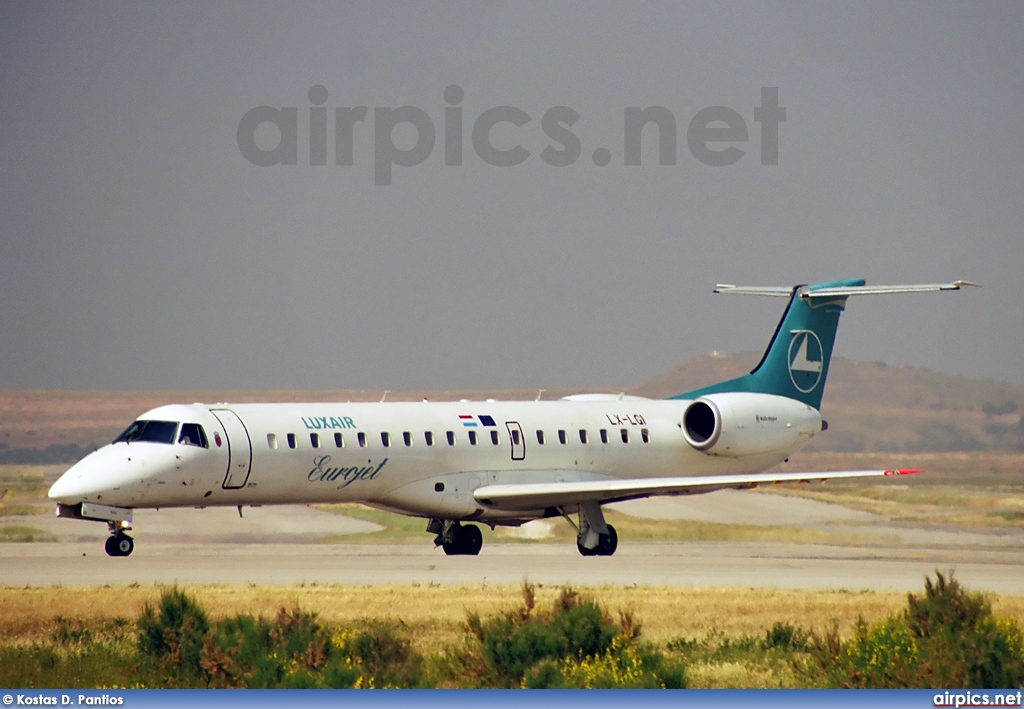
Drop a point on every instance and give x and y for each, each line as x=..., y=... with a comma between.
x=795, y=365
x=796, y=362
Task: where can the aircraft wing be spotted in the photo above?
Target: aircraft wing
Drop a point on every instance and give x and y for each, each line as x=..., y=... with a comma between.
x=535, y=496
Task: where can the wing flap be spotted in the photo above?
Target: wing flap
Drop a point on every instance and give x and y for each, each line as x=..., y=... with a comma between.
x=534, y=496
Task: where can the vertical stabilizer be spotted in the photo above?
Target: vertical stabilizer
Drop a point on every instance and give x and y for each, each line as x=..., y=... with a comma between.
x=795, y=365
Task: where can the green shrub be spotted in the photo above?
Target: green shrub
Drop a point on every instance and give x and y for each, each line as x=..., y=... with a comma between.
x=880, y=655
x=292, y=650
x=386, y=658
x=785, y=636
x=947, y=637
x=960, y=641
x=574, y=643
x=515, y=641
x=624, y=665
x=170, y=640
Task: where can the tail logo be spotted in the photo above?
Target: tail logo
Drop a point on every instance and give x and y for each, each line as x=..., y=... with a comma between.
x=805, y=360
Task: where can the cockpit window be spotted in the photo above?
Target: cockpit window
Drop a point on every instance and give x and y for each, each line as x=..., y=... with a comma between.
x=152, y=431
x=192, y=434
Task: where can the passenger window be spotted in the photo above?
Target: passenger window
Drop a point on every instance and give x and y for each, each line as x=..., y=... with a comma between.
x=583, y=435
x=604, y=435
x=561, y=436
x=540, y=437
x=451, y=437
x=362, y=439
x=314, y=440
x=625, y=435
x=272, y=441
x=385, y=439
x=645, y=435
x=407, y=438
x=428, y=437
x=192, y=434
x=494, y=437
x=291, y=440
x=515, y=436
x=472, y=438
x=339, y=440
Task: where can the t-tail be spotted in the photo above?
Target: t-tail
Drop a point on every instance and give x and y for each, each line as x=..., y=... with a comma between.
x=796, y=363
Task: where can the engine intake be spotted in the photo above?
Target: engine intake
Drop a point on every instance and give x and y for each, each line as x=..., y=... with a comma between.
x=739, y=424
x=702, y=424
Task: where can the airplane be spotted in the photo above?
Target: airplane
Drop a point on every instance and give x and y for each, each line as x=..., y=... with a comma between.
x=493, y=462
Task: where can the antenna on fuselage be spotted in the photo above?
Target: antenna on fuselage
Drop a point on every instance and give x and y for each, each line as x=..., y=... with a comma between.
x=384, y=395
x=539, y=393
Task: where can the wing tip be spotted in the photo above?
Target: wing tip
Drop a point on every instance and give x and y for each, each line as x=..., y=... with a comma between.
x=903, y=471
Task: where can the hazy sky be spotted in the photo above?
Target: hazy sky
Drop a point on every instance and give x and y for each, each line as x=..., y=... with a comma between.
x=141, y=249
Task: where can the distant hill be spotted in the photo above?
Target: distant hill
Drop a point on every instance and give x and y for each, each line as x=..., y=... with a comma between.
x=870, y=407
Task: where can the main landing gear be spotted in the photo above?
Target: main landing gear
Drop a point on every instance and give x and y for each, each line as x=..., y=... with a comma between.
x=606, y=544
x=594, y=537
x=118, y=543
x=455, y=538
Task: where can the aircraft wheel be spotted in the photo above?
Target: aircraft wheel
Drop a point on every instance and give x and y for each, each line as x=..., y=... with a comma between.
x=468, y=542
x=608, y=543
x=584, y=551
x=471, y=540
x=125, y=544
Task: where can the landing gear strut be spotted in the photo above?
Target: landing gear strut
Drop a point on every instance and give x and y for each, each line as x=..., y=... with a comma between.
x=118, y=543
x=456, y=539
x=594, y=537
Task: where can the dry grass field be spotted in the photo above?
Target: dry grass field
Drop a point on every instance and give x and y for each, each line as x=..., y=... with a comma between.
x=434, y=616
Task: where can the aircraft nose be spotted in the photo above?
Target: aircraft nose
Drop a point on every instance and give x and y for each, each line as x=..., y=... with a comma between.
x=70, y=487
x=90, y=477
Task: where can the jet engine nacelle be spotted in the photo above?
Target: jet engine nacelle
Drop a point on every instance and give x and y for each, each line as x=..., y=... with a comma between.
x=739, y=424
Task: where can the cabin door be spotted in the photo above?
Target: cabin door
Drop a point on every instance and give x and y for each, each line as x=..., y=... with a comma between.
x=239, y=449
x=515, y=435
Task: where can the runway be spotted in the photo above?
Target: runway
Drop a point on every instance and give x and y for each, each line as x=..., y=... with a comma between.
x=279, y=546
x=704, y=564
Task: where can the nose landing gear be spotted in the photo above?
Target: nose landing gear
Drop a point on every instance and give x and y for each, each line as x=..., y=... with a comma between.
x=118, y=543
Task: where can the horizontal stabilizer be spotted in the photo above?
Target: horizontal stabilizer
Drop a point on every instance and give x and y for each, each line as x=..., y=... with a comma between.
x=535, y=496
x=825, y=291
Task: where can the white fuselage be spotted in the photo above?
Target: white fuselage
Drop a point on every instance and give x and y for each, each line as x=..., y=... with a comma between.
x=418, y=458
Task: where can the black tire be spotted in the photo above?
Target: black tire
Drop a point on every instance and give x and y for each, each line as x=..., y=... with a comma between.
x=471, y=540
x=608, y=543
x=451, y=549
x=110, y=546
x=584, y=551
